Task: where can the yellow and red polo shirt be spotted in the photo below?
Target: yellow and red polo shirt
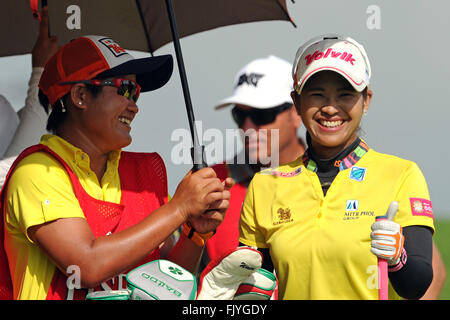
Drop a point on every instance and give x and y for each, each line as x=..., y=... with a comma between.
x=40, y=191
x=320, y=245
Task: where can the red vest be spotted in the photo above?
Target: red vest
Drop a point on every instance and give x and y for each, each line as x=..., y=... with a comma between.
x=227, y=233
x=144, y=188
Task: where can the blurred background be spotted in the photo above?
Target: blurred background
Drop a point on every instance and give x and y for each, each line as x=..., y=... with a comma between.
x=407, y=43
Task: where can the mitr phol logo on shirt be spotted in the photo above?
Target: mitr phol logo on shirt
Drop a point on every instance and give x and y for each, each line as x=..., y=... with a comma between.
x=330, y=53
x=352, y=205
x=352, y=212
x=283, y=215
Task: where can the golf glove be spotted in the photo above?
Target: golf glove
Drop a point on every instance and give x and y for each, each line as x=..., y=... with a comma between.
x=387, y=241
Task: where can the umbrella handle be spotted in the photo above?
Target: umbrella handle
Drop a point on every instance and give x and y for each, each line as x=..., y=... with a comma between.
x=198, y=158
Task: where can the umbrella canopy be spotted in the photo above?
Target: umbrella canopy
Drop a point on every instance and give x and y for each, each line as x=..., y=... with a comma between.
x=141, y=25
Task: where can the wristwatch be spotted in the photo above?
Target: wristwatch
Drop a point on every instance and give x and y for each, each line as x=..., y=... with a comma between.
x=198, y=238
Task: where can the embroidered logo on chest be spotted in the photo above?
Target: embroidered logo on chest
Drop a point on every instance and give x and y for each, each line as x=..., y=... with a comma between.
x=352, y=212
x=284, y=216
x=357, y=173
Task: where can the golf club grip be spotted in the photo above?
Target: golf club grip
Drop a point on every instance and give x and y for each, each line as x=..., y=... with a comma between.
x=383, y=279
x=382, y=273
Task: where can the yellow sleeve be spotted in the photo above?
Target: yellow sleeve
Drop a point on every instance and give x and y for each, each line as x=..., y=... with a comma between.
x=40, y=191
x=415, y=207
x=249, y=233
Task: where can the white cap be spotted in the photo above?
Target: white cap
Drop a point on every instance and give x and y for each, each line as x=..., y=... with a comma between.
x=262, y=84
x=332, y=52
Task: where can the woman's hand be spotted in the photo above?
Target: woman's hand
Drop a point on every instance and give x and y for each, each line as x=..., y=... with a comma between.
x=45, y=47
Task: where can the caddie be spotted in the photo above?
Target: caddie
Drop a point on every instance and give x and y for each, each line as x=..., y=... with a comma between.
x=76, y=205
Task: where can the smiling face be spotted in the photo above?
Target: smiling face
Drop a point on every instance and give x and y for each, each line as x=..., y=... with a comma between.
x=106, y=118
x=331, y=111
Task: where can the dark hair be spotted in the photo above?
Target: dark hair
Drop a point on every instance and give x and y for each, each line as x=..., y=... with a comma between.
x=364, y=92
x=57, y=116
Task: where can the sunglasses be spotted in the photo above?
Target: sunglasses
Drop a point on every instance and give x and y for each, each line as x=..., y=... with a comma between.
x=126, y=87
x=258, y=116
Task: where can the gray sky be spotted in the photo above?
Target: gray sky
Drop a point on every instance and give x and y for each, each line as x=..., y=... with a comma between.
x=408, y=47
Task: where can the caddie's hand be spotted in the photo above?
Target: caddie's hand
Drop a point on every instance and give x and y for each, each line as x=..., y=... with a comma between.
x=387, y=241
x=45, y=47
x=213, y=217
x=199, y=191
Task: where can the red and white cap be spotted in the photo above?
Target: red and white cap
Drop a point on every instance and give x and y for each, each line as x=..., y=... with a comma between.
x=88, y=57
x=335, y=53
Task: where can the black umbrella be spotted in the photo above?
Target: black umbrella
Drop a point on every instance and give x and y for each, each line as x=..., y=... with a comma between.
x=141, y=25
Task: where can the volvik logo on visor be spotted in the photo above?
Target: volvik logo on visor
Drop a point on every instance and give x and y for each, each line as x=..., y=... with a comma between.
x=250, y=79
x=330, y=53
x=114, y=47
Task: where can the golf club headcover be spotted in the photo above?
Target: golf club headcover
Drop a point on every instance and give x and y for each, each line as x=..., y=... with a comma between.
x=260, y=285
x=161, y=280
x=222, y=276
x=109, y=295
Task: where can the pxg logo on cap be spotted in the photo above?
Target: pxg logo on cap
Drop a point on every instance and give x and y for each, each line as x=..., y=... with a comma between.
x=250, y=79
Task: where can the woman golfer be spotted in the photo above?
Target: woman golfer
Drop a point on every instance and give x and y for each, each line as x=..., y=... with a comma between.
x=314, y=218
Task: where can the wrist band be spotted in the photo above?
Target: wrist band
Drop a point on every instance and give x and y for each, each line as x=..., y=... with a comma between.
x=401, y=263
x=198, y=238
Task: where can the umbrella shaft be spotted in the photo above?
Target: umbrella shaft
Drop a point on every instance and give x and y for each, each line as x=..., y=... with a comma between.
x=184, y=83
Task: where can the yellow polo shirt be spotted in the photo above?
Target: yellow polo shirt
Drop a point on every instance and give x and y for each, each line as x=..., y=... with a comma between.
x=320, y=245
x=40, y=191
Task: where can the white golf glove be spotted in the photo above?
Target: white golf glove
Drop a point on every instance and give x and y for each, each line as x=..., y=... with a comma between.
x=387, y=241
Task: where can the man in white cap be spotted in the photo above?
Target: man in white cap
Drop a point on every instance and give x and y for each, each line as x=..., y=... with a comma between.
x=263, y=109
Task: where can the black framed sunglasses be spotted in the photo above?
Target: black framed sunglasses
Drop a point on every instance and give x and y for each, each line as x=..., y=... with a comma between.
x=258, y=116
x=125, y=87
